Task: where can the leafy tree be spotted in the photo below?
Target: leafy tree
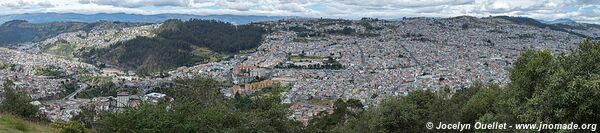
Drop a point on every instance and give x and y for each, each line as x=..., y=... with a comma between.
x=201, y=110
x=104, y=89
x=67, y=88
x=483, y=102
x=70, y=127
x=201, y=91
x=86, y=116
x=562, y=89
x=18, y=103
x=47, y=71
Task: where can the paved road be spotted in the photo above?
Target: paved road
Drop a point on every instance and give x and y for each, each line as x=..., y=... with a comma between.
x=71, y=96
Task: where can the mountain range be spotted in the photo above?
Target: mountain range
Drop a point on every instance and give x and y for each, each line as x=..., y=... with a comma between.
x=557, y=21
x=124, y=17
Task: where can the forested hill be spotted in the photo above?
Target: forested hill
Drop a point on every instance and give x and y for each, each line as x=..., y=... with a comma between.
x=216, y=35
x=180, y=43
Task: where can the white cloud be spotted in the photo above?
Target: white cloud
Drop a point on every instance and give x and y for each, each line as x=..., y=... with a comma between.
x=580, y=10
x=138, y=3
x=26, y=4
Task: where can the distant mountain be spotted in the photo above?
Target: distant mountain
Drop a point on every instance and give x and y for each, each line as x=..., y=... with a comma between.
x=585, y=30
x=123, y=17
x=19, y=31
x=558, y=21
x=536, y=23
x=590, y=30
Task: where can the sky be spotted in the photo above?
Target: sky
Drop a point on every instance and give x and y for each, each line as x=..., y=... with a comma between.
x=587, y=11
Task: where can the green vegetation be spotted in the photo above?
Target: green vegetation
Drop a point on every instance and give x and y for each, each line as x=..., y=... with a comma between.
x=319, y=102
x=342, y=110
x=14, y=124
x=94, y=80
x=207, y=54
x=19, y=31
x=67, y=88
x=101, y=86
x=545, y=88
x=17, y=103
x=369, y=27
x=47, y=71
x=299, y=58
x=199, y=108
x=6, y=66
x=104, y=90
x=69, y=127
x=61, y=48
x=86, y=117
x=178, y=44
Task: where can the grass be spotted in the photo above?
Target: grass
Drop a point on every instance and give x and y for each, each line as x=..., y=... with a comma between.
x=12, y=124
x=61, y=49
x=298, y=58
x=94, y=80
x=319, y=102
x=206, y=54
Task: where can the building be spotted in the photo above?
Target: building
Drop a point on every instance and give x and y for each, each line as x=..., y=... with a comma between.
x=112, y=72
x=122, y=99
x=242, y=68
x=284, y=80
x=242, y=79
x=154, y=97
x=102, y=106
x=258, y=72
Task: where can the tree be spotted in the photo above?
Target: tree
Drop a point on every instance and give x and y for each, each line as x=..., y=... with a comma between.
x=18, y=103
x=86, y=116
x=69, y=127
x=200, y=109
x=483, y=102
x=199, y=90
x=562, y=89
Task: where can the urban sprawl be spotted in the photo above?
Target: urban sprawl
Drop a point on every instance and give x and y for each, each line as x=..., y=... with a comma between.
x=320, y=59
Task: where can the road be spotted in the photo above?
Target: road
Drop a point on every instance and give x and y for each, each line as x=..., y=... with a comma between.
x=71, y=96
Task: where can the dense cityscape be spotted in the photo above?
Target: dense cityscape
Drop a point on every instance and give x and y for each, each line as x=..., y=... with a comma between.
x=400, y=57
x=171, y=72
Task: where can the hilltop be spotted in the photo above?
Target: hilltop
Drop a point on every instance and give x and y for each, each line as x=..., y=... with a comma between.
x=180, y=43
x=21, y=31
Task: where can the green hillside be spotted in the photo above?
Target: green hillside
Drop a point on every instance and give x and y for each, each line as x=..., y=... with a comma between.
x=12, y=124
x=180, y=43
x=19, y=31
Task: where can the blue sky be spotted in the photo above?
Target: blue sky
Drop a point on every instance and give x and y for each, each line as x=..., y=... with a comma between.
x=580, y=10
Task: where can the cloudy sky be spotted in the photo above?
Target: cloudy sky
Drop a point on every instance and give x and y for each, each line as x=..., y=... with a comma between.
x=579, y=10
